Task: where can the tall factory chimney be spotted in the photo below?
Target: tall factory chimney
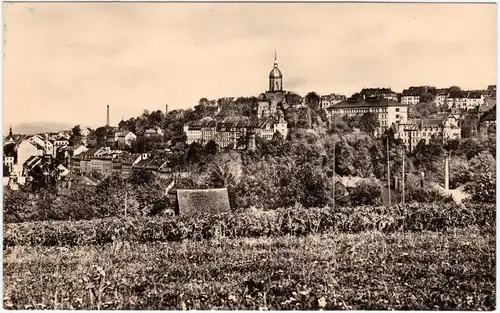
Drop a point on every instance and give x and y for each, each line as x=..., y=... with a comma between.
x=166, y=109
x=107, y=116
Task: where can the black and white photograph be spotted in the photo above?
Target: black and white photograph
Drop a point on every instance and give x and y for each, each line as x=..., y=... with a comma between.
x=249, y=156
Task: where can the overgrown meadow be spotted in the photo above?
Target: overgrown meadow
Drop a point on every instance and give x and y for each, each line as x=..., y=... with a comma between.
x=418, y=257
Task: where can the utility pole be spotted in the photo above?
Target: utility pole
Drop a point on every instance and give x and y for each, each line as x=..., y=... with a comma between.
x=388, y=172
x=333, y=178
x=126, y=194
x=403, y=176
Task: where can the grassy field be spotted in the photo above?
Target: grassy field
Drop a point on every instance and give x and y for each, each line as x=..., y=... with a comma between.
x=369, y=270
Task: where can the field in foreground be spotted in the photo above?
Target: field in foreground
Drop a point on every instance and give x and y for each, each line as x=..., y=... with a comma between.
x=370, y=270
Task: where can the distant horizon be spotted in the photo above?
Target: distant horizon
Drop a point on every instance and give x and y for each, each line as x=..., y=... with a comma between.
x=64, y=62
x=69, y=125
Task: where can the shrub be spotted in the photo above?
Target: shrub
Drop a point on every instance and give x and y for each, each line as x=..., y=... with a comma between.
x=482, y=188
x=426, y=195
x=366, y=193
x=292, y=221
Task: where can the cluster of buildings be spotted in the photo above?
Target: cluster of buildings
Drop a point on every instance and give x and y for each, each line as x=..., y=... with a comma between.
x=413, y=131
x=233, y=132
x=106, y=161
x=23, y=153
x=449, y=98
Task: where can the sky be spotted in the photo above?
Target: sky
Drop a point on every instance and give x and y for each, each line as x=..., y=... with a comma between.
x=64, y=62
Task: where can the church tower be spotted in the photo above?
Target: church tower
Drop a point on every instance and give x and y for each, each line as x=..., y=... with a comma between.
x=275, y=77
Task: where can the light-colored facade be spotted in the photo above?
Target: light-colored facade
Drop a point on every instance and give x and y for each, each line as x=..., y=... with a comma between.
x=384, y=93
x=456, y=102
x=441, y=99
x=330, y=100
x=474, y=100
x=410, y=99
x=413, y=131
x=387, y=111
x=125, y=138
x=61, y=142
x=232, y=132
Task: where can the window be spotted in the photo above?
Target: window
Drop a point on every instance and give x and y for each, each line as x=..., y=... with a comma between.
x=397, y=115
x=397, y=109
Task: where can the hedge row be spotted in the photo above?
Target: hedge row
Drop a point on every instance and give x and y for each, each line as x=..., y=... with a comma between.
x=292, y=221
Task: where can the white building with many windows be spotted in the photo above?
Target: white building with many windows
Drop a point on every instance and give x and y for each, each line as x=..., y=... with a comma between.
x=414, y=131
x=388, y=111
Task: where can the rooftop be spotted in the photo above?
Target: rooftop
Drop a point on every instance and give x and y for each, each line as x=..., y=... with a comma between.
x=208, y=201
x=369, y=102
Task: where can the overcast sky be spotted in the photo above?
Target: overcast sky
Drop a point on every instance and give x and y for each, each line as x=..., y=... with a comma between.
x=64, y=62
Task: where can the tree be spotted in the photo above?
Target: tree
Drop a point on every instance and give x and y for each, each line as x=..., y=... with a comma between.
x=141, y=177
x=194, y=153
x=313, y=100
x=482, y=188
x=101, y=134
x=225, y=170
x=313, y=187
x=366, y=193
x=368, y=122
x=17, y=207
x=76, y=131
x=469, y=126
x=45, y=176
x=211, y=147
x=293, y=99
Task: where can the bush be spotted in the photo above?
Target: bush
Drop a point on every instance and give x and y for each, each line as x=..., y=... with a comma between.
x=293, y=221
x=426, y=195
x=483, y=188
x=366, y=193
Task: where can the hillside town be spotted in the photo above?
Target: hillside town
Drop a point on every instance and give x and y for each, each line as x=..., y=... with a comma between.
x=249, y=156
x=86, y=156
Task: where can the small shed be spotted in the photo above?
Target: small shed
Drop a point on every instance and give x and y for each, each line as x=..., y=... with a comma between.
x=208, y=201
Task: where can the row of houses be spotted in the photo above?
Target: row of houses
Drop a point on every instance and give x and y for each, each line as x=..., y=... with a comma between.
x=18, y=150
x=451, y=98
x=388, y=111
x=413, y=131
x=445, y=126
x=106, y=161
x=232, y=131
x=122, y=138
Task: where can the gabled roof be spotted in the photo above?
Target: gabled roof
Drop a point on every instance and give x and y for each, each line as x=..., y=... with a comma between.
x=151, y=164
x=370, y=102
x=124, y=133
x=457, y=95
x=489, y=116
x=85, y=180
x=414, y=91
x=128, y=159
x=19, y=138
x=207, y=201
x=474, y=94
x=376, y=91
x=429, y=122
x=61, y=138
x=32, y=161
x=9, y=150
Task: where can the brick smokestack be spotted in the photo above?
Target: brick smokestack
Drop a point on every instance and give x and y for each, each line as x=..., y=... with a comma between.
x=107, y=115
x=166, y=109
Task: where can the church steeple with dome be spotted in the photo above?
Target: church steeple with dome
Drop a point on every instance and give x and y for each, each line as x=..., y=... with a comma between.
x=275, y=77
